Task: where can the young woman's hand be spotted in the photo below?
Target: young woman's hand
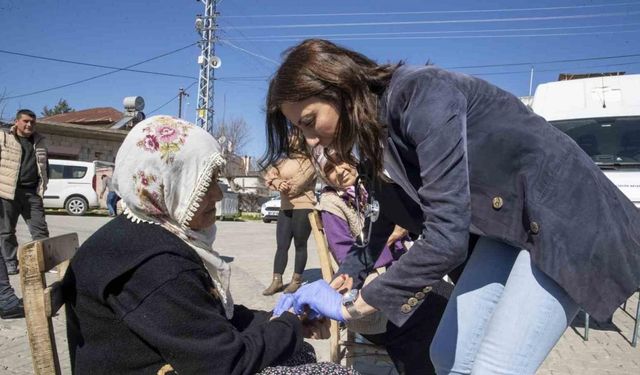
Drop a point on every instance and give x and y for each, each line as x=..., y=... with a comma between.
x=285, y=303
x=321, y=299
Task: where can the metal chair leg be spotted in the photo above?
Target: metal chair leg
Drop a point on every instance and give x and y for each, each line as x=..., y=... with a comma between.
x=634, y=340
x=586, y=326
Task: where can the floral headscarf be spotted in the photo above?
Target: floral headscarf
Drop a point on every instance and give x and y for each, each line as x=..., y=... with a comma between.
x=163, y=170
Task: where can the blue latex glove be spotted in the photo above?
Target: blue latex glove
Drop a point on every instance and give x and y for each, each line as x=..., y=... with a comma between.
x=321, y=299
x=284, y=304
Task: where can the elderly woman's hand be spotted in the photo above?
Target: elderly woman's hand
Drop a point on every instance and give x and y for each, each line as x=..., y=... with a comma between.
x=317, y=329
x=397, y=234
x=342, y=283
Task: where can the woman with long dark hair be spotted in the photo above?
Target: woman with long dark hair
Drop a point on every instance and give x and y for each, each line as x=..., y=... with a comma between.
x=475, y=171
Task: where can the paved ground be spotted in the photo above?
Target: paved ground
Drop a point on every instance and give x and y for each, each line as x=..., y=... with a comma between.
x=250, y=246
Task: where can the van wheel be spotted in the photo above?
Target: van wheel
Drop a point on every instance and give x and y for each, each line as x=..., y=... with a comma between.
x=76, y=206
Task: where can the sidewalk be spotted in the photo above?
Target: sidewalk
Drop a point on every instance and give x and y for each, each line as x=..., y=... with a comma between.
x=249, y=247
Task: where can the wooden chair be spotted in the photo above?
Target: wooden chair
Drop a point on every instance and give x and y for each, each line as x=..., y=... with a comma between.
x=41, y=302
x=342, y=343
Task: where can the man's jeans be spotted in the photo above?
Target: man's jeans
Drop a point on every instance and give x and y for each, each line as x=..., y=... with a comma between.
x=28, y=204
x=112, y=203
x=503, y=317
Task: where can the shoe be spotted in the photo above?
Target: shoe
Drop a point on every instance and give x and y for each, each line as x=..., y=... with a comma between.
x=296, y=281
x=275, y=287
x=14, y=312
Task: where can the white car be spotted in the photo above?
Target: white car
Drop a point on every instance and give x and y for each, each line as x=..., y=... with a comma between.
x=270, y=210
x=72, y=185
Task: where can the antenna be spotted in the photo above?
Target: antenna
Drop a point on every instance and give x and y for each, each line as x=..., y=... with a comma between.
x=604, y=104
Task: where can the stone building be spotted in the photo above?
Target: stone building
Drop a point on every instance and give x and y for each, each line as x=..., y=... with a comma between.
x=83, y=135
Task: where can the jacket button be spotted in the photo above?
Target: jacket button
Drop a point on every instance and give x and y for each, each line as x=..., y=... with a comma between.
x=405, y=308
x=535, y=227
x=497, y=203
x=412, y=301
x=426, y=289
x=420, y=295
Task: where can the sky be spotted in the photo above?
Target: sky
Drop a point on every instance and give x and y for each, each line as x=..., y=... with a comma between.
x=496, y=40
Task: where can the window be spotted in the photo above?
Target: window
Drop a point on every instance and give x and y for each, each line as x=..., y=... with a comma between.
x=608, y=141
x=57, y=171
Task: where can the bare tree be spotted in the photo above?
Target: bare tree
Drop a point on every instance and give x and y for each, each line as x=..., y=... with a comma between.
x=233, y=136
x=2, y=106
x=236, y=133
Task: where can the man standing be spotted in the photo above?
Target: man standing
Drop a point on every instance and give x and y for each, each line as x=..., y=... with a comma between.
x=23, y=180
x=112, y=197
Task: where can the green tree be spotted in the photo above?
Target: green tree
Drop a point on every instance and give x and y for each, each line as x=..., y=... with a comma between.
x=61, y=107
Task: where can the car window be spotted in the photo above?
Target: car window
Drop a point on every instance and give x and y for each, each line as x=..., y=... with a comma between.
x=55, y=171
x=73, y=171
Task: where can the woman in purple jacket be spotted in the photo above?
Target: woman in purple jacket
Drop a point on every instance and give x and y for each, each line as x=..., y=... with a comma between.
x=343, y=221
x=342, y=218
x=466, y=161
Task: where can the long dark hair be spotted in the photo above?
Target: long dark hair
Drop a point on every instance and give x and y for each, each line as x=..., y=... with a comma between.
x=350, y=81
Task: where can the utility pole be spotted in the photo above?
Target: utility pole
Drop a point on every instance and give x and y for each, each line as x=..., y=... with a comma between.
x=181, y=94
x=206, y=27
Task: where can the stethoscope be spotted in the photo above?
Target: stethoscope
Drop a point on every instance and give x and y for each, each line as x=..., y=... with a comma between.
x=371, y=209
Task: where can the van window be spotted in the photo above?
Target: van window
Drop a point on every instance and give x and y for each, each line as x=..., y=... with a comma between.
x=57, y=171
x=608, y=141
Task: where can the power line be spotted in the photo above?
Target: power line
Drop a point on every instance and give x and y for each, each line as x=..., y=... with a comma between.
x=257, y=63
x=553, y=70
x=479, y=20
x=539, y=62
x=172, y=99
x=101, y=75
x=546, y=61
x=224, y=41
x=467, y=36
x=93, y=65
x=431, y=12
x=302, y=36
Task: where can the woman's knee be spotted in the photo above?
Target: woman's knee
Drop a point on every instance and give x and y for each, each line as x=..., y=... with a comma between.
x=442, y=351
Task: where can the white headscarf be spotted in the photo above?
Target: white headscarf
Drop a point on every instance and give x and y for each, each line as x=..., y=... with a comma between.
x=163, y=170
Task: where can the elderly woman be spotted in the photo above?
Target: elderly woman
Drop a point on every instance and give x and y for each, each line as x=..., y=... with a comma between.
x=146, y=294
x=343, y=222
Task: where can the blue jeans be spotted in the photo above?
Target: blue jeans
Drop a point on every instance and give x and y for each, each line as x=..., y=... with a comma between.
x=504, y=315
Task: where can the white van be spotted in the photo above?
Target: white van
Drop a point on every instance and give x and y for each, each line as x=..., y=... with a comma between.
x=603, y=116
x=72, y=185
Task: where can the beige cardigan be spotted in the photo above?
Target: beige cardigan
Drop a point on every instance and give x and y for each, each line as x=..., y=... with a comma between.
x=300, y=175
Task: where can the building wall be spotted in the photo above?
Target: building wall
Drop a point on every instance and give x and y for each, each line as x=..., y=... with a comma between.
x=83, y=149
x=81, y=142
x=251, y=184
